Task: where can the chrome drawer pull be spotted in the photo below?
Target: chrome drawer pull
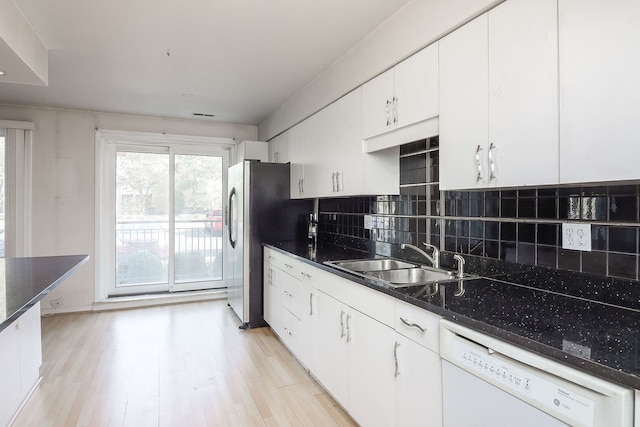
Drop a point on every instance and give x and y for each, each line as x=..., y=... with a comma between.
x=479, y=164
x=492, y=163
x=413, y=325
x=395, y=358
x=341, y=324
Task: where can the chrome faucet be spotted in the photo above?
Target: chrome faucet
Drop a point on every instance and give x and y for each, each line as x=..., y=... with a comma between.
x=461, y=262
x=434, y=258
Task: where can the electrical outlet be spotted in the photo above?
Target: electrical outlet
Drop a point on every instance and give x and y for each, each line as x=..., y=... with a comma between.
x=368, y=222
x=576, y=236
x=55, y=303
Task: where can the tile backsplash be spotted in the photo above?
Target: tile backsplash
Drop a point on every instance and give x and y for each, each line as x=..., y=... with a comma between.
x=519, y=225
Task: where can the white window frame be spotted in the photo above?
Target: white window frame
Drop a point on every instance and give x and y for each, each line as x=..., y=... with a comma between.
x=106, y=142
x=18, y=191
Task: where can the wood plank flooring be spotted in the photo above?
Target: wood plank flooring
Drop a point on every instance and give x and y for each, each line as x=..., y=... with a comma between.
x=175, y=365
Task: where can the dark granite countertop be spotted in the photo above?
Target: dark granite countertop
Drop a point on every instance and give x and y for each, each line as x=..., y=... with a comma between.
x=25, y=281
x=585, y=321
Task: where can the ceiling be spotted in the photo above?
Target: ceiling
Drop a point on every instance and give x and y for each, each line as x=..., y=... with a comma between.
x=236, y=59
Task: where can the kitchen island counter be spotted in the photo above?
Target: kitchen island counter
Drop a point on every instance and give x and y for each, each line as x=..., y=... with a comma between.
x=25, y=281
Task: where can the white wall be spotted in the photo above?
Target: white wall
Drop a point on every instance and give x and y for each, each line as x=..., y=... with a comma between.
x=64, y=218
x=418, y=24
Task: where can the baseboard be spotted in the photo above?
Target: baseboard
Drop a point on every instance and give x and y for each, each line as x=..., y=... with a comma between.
x=119, y=303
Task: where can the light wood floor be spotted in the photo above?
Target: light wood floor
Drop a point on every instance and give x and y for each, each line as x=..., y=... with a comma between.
x=178, y=365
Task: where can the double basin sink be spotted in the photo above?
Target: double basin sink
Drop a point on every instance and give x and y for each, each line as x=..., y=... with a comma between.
x=395, y=273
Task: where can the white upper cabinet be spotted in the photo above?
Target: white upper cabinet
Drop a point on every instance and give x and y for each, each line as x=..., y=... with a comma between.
x=464, y=106
x=523, y=93
x=599, y=88
x=416, y=87
x=339, y=148
x=378, y=96
x=402, y=100
x=279, y=149
x=499, y=99
x=327, y=159
x=300, y=138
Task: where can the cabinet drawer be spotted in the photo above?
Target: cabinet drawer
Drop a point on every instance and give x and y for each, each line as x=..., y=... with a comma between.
x=368, y=301
x=418, y=325
x=290, y=332
x=295, y=296
x=282, y=261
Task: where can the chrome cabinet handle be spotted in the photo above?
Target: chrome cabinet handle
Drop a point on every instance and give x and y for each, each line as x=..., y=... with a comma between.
x=413, y=325
x=307, y=275
x=388, y=113
x=338, y=182
x=348, y=328
x=341, y=324
x=333, y=182
x=395, y=110
x=492, y=163
x=288, y=265
x=288, y=331
x=289, y=294
x=311, y=304
x=395, y=358
x=479, y=164
x=302, y=181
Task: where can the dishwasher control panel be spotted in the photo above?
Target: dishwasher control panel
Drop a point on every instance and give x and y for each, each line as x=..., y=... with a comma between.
x=520, y=380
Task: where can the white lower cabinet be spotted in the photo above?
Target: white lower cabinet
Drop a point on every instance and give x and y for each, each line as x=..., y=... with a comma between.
x=331, y=346
x=372, y=381
x=354, y=361
x=419, y=377
x=377, y=356
x=289, y=304
x=20, y=360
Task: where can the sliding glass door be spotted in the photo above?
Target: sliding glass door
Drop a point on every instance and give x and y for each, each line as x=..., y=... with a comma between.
x=168, y=222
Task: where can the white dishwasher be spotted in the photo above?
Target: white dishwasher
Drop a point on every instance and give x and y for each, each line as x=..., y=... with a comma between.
x=490, y=383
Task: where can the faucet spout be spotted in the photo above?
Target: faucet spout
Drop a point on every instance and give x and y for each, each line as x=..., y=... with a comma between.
x=434, y=259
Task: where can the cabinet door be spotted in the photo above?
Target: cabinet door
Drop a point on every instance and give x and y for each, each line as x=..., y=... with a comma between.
x=279, y=148
x=372, y=382
x=523, y=93
x=464, y=116
x=416, y=87
x=268, y=291
x=332, y=367
x=10, y=394
x=377, y=105
x=599, y=87
x=347, y=151
x=299, y=138
x=325, y=153
x=30, y=348
x=419, y=385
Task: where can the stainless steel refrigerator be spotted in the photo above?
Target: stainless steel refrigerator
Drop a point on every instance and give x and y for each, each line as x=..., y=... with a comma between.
x=259, y=210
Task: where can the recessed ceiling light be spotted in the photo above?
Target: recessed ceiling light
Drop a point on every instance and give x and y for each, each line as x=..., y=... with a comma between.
x=2, y=73
x=203, y=115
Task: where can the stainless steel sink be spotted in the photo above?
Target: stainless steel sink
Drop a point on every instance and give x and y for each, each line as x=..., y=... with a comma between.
x=413, y=275
x=395, y=273
x=367, y=265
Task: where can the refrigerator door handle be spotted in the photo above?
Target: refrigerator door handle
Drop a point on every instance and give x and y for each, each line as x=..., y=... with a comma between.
x=232, y=196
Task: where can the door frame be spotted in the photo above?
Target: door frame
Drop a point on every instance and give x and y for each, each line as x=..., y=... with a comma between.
x=106, y=141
